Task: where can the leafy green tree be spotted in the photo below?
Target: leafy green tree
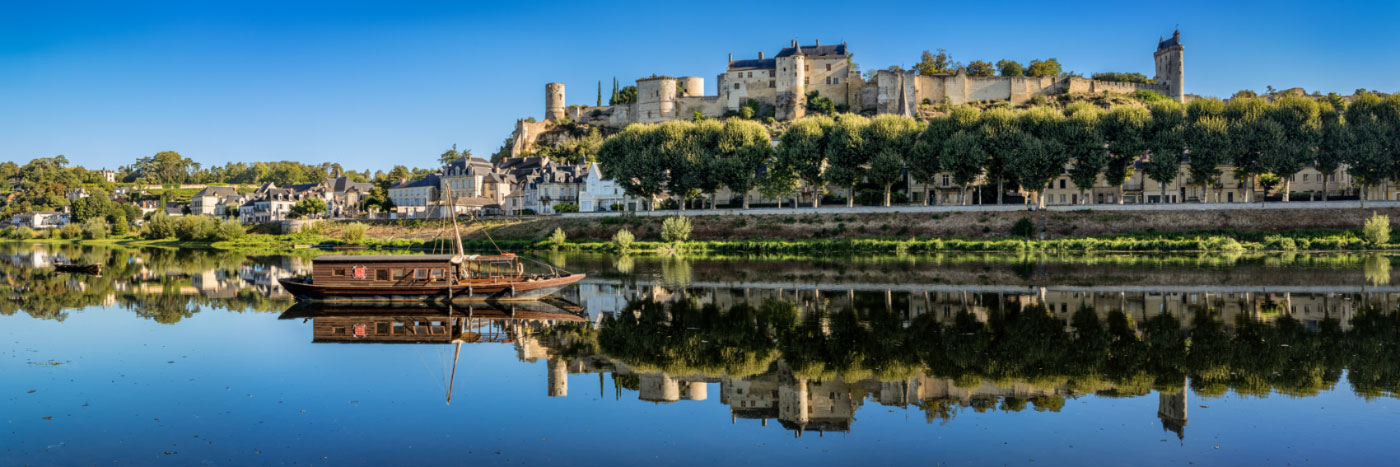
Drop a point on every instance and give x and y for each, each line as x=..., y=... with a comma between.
x=632, y=159
x=743, y=147
x=1299, y=118
x=802, y=149
x=963, y=157
x=1002, y=139
x=309, y=207
x=1084, y=144
x=933, y=64
x=844, y=145
x=1253, y=139
x=1047, y=67
x=981, y=68
x=1041, y=155
x=923, y=159
x=887, y=139
x=1125, y=131
x=626, y=95
x=1167, y=142
x=451, y=155
x=1333, y=145
x=1010, y=68
x=1209, y=141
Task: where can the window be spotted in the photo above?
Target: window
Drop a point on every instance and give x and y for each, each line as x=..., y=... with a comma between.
x=381, y=274
x=439, y=274
x=807, y=80
x=750, y=74
x=1062, y=183
x=806, y=67
x=772, y=73
x=736, y=85
x=420, y=274
x=399, y=273
x=772, y=83
x=828, y=67
x=338, y=272
x=947, y=180
x=835, y=80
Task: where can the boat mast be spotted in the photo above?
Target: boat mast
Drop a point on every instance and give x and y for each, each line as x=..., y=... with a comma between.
x=456, y=231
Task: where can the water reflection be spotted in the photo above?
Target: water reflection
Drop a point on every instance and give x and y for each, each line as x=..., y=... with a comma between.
x=812, y=366
x=164, y=285
x=808, y=343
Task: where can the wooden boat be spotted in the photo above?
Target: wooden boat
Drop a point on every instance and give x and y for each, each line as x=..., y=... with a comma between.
x=426, y=278
x=94, y=269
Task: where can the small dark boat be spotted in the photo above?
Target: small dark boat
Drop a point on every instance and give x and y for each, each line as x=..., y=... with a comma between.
x=94, y=269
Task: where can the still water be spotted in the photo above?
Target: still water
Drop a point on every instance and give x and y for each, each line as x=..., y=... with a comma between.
x=186, y=357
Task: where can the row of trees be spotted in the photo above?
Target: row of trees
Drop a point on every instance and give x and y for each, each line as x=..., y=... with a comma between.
x=941, y=63
x=1262, y=142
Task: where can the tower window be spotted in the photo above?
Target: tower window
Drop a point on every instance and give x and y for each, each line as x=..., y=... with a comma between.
x=772, y=73
x=772, y=83
x=828, y=67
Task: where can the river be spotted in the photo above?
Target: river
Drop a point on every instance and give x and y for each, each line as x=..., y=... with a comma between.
x=185, y=357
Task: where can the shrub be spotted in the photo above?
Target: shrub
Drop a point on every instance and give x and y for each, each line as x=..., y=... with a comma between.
x=119, y=225
x=228, y=229
x=354, y=233
x=615, y=207
x=54, y=234
x=622, y=240
x=71, y=231
x=194, y=228
x=8, y=232
x=160, y=226
x=675, y=229
x=527, y=212
x=1023, y=228
x=95, y=228
x=565, y=207
x=558, y=238
x=1377, y=230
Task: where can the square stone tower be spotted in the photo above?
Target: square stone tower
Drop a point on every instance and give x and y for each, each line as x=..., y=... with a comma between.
x=1169, y=66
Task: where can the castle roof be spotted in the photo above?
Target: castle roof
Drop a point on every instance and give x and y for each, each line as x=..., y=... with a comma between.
x=1173, y=42
x=814, y=51
x=759, y=63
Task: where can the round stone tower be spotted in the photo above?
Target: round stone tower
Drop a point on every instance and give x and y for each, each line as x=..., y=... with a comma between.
x=656, y=99
x=554, y=101
x=694, y=86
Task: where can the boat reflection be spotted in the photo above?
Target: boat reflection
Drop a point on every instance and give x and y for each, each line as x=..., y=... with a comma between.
x=422, y=323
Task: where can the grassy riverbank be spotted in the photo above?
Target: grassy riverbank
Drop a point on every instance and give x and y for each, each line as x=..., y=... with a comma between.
x=817, y=234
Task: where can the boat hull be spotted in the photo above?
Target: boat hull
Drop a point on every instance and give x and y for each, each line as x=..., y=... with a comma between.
x=476, y=292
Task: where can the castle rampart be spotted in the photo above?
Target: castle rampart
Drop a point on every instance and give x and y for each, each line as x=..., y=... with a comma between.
x=783, y=82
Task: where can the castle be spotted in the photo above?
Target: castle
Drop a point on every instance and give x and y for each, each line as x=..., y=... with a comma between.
x=783, y=82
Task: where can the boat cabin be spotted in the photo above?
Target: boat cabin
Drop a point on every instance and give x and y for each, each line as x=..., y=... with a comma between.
x=411, y=270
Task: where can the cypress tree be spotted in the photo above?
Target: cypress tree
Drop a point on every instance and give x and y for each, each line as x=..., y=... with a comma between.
x=600, y=94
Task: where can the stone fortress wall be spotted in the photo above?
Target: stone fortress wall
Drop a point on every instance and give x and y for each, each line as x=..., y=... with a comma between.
x=781, y=83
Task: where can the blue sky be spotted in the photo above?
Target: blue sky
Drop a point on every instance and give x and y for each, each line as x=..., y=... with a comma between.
x=373, y=84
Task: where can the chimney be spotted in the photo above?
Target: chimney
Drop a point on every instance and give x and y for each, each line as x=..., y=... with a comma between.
x=819, y=42
x=760, y=55
x=794, y=42
x=731, y=57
